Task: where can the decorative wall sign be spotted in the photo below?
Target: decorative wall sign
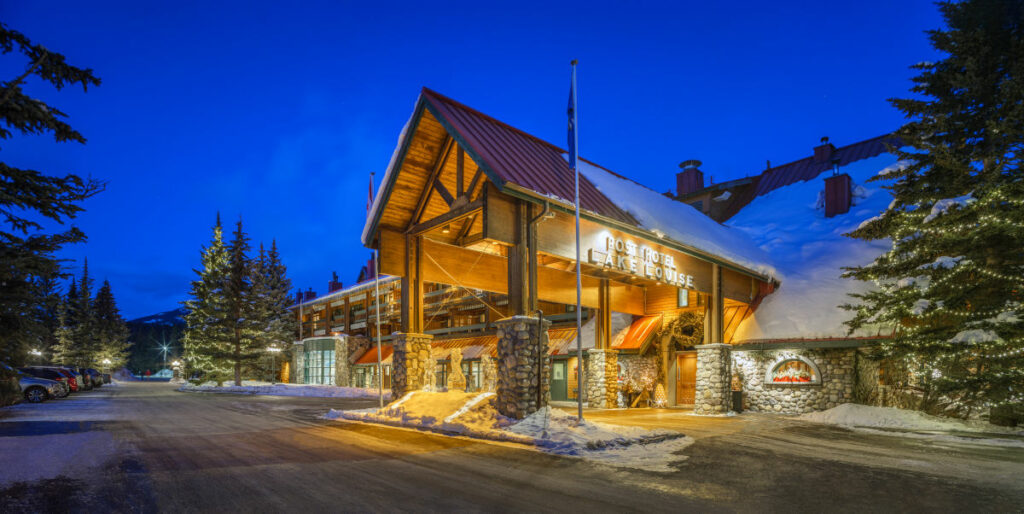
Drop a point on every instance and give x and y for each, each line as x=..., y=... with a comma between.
x=793, y=370
x=627, y=256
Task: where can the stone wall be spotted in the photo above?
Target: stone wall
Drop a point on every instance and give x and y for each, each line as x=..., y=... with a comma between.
x=837, y=376
x=411, y=364
x=523, y=366
x=342, y=367
x=602, y=378
x=713, y=376
x=298, y=363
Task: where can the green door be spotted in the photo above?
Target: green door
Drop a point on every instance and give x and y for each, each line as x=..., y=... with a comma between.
x=559, y=381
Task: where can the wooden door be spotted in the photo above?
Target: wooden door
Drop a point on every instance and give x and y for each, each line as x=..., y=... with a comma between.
x=686, y=378
x=559, y=381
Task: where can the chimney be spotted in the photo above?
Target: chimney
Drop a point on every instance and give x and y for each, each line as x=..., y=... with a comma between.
x=691, y=179
x=371, y=269
x=309, y=295
x=298, y=296
x=334, y=284
x=824, y=151
x=837, y=195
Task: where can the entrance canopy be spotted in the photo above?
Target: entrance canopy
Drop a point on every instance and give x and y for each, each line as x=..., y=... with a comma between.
x=470, y=201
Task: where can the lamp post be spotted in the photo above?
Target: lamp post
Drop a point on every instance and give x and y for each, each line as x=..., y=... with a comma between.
x=165, y=348
x=176, y=365
x=274, y=350
x=38, y=354
x=106, y=365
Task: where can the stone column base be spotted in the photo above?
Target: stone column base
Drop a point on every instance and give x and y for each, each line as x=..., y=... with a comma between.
x=714, y=377
x=411, y=364
x=298, y=363
x=523, y=366
x=342, y=367
x=602, y=378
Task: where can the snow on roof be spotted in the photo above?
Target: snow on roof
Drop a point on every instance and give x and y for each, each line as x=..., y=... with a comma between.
x=679, y=222
x=809, y=251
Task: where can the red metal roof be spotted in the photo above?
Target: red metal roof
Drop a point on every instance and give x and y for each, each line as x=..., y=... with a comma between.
x=370, y=357
x=520, y=158
x=562, y=341
x=808, y=168
x=639, y=332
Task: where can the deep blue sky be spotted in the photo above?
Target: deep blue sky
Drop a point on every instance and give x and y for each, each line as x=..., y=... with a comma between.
x=278, y=111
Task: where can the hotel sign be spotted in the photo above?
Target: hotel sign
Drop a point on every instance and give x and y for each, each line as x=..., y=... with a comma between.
x=626, y=256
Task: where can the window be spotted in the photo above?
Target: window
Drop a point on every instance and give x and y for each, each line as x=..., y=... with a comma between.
x=319, y=362
x=684, y=298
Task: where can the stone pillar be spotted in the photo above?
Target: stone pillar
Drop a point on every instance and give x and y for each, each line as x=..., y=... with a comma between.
x=410, y=363
x=602, y=378
x=298, y=363
x=523, y=366
x=714, y=376
x=342, y=367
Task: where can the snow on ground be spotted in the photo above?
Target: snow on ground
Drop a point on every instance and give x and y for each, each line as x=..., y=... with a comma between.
x=912, y=423
x=258, y=387
x=809, y=251
x=550, y=430
x=123, y=375
x=678, y=221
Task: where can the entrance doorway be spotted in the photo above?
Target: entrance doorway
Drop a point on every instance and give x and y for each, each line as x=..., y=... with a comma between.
x=686, y=378
x=559, y=381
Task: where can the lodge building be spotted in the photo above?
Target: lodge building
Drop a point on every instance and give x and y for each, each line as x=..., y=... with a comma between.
x=475, y=234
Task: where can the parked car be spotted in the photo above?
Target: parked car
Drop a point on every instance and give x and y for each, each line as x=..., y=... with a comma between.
x=50, y=374
x=72, y=378
x=38, y=390
x=95, y=376
x=84, y=379
x=10, y=387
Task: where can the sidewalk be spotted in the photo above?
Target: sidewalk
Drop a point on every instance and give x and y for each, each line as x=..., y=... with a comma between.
x=682, y=420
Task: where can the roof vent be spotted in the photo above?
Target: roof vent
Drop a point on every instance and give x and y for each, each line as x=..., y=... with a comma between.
x=691, y=179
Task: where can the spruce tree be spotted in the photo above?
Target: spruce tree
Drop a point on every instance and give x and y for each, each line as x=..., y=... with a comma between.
x=111, y=330
x=242, y=323
x=63, y=345
x=85, y=345
x=271, y=288
x=952, y=284
x=205, y=339
x=28, y=197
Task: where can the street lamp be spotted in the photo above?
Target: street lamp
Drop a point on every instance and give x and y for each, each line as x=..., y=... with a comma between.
x=106, y=365
x=273, y=353
x=37, y=353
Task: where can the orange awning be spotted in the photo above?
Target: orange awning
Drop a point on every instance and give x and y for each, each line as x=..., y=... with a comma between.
x=370, y=357
x=639, y=333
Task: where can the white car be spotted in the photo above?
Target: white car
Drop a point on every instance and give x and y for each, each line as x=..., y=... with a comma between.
x=38, y=389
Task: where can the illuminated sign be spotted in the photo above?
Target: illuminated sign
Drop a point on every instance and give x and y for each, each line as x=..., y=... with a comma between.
x=627, y=256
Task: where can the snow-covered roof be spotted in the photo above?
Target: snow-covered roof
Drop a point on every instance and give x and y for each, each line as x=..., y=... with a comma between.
x=678, y=221
x=809, y=252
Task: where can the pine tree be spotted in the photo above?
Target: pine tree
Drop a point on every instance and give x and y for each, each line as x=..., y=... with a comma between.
x=205, y=339
x=954, y=280
x=28, y=196
x=63, y=340
x=271, y=288
x=111, y=330
x=85, y=345
x=243, y=325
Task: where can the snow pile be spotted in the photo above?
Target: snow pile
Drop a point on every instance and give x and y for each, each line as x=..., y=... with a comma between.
x=810, y=251
x=453, y=412
x=975, y=335
x=123, y=375
x=944, y=262
x=550, y=430
x=678, y=221
x=257, y=387
x=865, y=416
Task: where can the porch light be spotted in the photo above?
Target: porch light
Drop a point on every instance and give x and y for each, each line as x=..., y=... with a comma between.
x=446, y=229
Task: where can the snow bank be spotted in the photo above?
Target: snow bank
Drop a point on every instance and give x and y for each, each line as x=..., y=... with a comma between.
x=809, y=251
x=550, y=430
x=853, y=415
x=123, y=375
x=678, y=221
x=257, y=387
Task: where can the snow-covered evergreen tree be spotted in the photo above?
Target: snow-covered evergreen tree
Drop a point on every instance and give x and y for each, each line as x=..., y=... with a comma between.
x=243, y=325
x=85, y=341
x=111, y=330
x=205, y=339
x=63, y=345
x=954, y=280
x=271, y=288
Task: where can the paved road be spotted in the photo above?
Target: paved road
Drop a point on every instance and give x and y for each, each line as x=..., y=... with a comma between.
x=188, y=452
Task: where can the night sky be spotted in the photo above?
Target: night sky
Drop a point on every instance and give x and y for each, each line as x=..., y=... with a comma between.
x=277, y=112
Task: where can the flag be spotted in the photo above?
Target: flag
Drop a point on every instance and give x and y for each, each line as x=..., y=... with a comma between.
x=369, y=196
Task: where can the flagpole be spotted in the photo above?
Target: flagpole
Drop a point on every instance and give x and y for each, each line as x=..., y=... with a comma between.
x=579, y=283
x=376, y=299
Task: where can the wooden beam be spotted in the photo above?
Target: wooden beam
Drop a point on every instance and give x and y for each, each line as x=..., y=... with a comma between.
x=412, y=286
x=518, y=280
x=717, y=304
x=435, y=171
x=443, y=191
x=446, y=218
x=476, y=178
x=532, y=302
x=459, y=164
x=604, y=315
x=466, y=227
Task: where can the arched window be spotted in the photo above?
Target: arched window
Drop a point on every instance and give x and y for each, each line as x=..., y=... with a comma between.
x=795, y=370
